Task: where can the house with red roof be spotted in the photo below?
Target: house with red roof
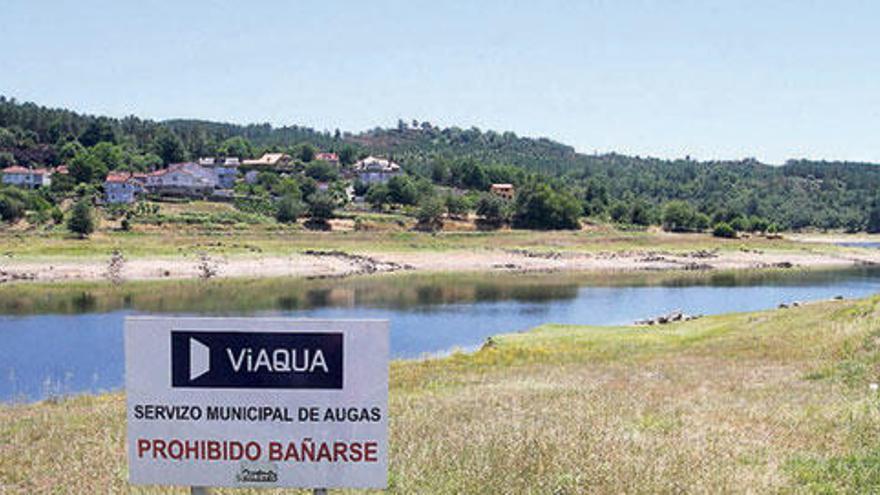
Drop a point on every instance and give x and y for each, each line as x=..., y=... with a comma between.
x=331, y=158
x=27, y=177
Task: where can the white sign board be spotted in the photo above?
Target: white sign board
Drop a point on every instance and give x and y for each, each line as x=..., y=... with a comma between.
x=257, y=402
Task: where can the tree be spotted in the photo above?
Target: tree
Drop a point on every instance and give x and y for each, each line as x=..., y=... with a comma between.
x=7, y=159
x=289, y=209
x=12, y=205
x=641, y=213
x=321, y=206
x=236, y=147
x=723, y=229
x=360, y=187
x=540, y=207
x=81, y=219
x=99, y=130
x=621, y=213
x=493, y=210
x=169, y=147
x=402, y=190
x=321, y=171
x=307, y=152
x=678, y=216
x=377, y=195
x=86, y=167
x=347, y=156
x=456, y=205
x=430, y=213
x=873, y=224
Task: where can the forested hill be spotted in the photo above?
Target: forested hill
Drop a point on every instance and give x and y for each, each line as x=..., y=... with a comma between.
x=622, y=188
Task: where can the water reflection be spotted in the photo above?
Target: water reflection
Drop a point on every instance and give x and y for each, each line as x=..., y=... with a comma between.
x=67, y=340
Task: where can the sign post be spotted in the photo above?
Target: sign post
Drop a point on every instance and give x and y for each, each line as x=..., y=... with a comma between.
x=257, y=402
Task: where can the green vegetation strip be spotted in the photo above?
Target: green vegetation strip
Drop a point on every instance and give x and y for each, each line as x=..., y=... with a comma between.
x=753, y=402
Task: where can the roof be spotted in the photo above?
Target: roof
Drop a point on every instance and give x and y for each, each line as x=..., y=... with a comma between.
x=327, y=157
x=267, y=159
x=18, y=169
x=371, y=162
x=502, y=186
x=121, y=177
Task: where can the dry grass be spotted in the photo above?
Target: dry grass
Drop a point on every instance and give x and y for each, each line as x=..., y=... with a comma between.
x=748, y=403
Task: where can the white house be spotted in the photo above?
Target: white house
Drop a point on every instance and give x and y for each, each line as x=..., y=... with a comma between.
x=187, y=179
x=123, y=187
x=225, y=169
x=27, y=177
x=372, y=170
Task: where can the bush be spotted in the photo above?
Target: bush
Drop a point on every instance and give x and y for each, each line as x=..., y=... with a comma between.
x=289, y=209
x=57, y=215
x=11, y=207
x=493, y=211
x=456, y=205
x=678, y=216
x=377, y=195
x=540, y=207
x=430, y=214
x=723, y=229
x=321, y=206
x=81, y=221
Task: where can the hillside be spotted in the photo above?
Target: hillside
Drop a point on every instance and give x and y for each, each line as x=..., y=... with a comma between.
x=625, y=189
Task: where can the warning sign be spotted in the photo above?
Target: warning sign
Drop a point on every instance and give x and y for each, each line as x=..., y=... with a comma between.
x=257, y=402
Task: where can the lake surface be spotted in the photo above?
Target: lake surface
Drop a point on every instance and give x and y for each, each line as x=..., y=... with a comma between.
x=63, y=340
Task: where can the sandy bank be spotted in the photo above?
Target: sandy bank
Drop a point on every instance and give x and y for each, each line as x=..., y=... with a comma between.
x=326, y=264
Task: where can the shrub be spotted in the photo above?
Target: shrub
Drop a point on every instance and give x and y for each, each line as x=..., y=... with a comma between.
x=321, y=206
x=57, y=215
x=289, y=208
x=81, y=221
x=540, y=207
x=493, y=211
x=723, y=229
x=678, y=216
x=430, y=214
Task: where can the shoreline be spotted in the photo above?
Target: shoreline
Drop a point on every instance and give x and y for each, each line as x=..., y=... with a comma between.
x=329, y=264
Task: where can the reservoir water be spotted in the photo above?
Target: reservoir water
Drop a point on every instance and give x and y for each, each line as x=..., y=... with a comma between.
x=66, y=340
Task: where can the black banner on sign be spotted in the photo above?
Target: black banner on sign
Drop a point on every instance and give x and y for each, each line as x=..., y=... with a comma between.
x=256, y=360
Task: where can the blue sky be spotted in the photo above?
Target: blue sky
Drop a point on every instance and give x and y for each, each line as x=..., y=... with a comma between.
x=733, y=79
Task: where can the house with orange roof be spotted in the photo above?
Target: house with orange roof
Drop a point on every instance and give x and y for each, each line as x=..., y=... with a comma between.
x=331, y=158
x=123, y=187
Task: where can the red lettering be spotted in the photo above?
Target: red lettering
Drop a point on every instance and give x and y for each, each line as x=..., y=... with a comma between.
x=339, y=450
x=142, y=446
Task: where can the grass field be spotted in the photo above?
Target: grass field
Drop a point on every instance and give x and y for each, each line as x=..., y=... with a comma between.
x=776, y=401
